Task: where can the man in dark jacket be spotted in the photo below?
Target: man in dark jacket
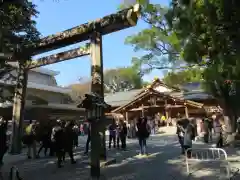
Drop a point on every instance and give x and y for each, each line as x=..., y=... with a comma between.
x=3, y=139
x=69, y=136
x=57, y=138
x=123, y=135
x=112, y=134
x=88, y=139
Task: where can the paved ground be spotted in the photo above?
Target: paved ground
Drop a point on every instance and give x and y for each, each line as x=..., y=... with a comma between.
x=164, y=162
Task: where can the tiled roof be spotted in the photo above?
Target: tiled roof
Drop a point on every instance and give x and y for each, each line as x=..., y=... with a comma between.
x=194, y=95
x=121, y=98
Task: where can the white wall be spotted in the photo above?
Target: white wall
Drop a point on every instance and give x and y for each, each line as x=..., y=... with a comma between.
x=162, y=89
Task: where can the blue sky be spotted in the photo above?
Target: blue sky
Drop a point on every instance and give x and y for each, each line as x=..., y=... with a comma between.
x=59, y=15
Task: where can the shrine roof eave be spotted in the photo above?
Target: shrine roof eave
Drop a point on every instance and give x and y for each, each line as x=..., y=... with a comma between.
x=48, y=106
x=152, y=91
x=43, y=87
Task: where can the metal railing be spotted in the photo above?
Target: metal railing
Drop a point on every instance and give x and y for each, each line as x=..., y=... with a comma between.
x=210, y=155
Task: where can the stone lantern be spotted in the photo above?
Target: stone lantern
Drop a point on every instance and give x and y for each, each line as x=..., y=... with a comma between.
x=95, y=107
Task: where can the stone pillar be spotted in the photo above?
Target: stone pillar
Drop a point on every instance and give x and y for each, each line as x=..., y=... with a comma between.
x=18, y=110
x=97, y=132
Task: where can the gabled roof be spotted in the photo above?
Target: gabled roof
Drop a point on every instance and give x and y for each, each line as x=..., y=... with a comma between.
x=150, y=91
x=158, y=82
x=121, y=98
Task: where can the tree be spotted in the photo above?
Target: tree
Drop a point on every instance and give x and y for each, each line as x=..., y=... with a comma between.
x=122, y=79
x=18, y=34
x=158, y=41
x=208, y=31
x=178, y=78
x=79, y=90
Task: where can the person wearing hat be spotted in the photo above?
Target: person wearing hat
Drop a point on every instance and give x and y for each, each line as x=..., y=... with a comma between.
x=57, y=138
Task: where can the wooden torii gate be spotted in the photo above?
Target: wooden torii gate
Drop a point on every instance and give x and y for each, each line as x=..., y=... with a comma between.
x=92, y=31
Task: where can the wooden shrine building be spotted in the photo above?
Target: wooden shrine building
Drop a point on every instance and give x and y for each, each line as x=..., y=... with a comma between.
x=158, y=98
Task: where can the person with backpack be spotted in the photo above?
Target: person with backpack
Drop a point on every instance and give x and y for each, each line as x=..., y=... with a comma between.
x=30, y=140
x=57, y=138
x=143, y=132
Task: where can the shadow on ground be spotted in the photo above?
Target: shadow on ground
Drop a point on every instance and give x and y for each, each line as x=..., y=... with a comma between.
x=164, y=162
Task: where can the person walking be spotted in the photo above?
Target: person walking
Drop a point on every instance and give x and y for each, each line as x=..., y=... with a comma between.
x=143, y=132
x=188, y=137
x=123, y=135
x=45, y=143
x=3, y=139
x=118, y=135
x=69, y=141
x=57, y=138
x=206, y=130
x=76, y=131
x=180, y=133
x=218, y=132
x=88, y=139
x=112, y=134
x=31, y=140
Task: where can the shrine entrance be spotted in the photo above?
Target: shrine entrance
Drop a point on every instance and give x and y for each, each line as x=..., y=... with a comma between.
x=92, y=31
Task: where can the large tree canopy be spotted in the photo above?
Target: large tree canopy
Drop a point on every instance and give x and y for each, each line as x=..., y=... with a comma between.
x=18, y=33
x=201, y=32
x=122, y=79
x=179, y=78
x=158, y=41
x=209, y=33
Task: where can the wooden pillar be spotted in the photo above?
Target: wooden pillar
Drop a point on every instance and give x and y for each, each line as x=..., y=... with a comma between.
x=18, y=110
x=166, y=109
x=126, y=114
x=98, y=147
x=186, y=111
x=143, y=110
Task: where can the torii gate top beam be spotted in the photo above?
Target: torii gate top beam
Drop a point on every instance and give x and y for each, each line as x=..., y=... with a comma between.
x=108, y=24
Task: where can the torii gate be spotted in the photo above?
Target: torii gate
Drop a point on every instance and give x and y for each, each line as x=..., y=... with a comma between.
x=92, y=30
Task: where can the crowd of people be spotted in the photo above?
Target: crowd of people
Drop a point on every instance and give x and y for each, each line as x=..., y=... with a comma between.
x=188, y=130
x=60, y=137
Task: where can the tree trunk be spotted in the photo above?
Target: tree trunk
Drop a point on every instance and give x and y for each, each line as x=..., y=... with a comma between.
x=18, y=111
x=230, y=123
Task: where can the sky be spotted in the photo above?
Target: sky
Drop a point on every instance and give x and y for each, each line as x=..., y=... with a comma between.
x=59, y=15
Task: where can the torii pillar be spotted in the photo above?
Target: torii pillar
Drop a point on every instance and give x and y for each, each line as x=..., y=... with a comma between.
x=18, y=110
x=97, y=128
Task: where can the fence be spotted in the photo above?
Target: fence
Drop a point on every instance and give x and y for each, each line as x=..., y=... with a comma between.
x=206, y=156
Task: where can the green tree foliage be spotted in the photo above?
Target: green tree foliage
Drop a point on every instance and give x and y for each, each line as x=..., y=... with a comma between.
x=178, y=78
x=122, y=79
x=158, y=41
x=18, y=34
x=208, y=31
